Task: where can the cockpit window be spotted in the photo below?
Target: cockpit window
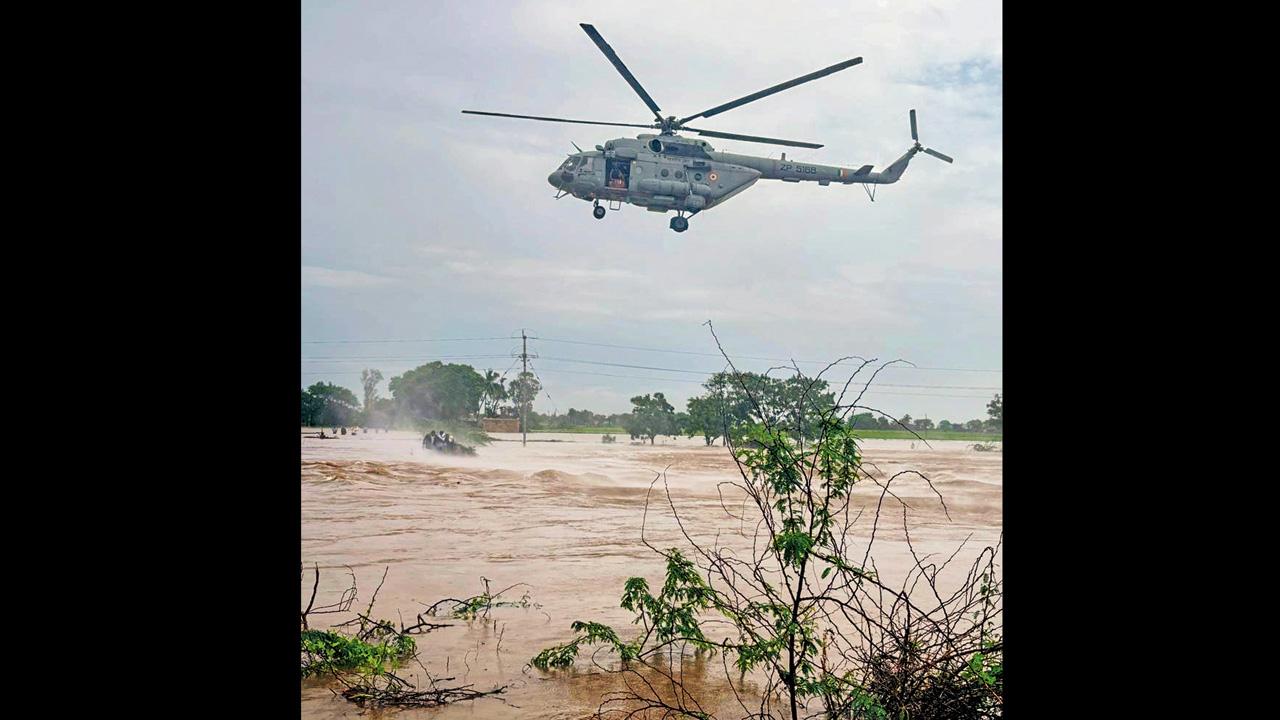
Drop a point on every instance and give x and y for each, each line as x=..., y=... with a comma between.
x=685, y=150
x=572, y=163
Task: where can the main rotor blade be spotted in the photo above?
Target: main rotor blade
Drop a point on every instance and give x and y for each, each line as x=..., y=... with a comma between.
x=938, y=155
x=775, y=89
x=617, y=63
x=753, y=138
x=913, y=127
x=935, y=153
x=552, y=119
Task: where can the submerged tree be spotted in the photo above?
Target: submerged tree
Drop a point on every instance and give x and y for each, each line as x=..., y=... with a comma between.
x=326, y=404
x=651, y=416
x=437, y=391
x=734, y=402
x=369, y=379
x=704, y=420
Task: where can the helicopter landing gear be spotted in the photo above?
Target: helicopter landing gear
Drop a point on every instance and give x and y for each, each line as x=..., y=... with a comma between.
x=598, y=211
x=679, y=224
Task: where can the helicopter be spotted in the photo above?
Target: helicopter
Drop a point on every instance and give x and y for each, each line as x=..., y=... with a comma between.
x=666, y=172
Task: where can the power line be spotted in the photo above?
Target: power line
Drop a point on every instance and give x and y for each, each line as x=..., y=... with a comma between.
x=745, y=357
x=374, y=342
x=412, y=358
x=711, y=372
x=701, y=373
x=644, y=349
x=869, y=390
x=546, y=392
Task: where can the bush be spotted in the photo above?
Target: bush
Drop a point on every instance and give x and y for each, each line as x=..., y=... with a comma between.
x=889, y=657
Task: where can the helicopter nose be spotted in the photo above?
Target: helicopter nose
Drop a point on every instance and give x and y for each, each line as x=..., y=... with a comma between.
x=554, y=179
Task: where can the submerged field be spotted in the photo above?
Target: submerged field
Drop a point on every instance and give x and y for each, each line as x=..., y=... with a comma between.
x=565, y=518
x=868, y=434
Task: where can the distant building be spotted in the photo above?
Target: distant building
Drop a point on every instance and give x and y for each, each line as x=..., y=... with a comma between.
x=501, y=425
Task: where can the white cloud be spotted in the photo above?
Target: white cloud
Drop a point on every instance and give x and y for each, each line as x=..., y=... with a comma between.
x=320, y=277
x=449, y=211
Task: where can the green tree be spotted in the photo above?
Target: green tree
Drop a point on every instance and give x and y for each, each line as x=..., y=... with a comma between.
x=799, y=399
x=995, y=412
x=310, y=409
x=436, y=391
x=651, y=416
x=704, y=419
x=681, y=423
x=863, y=421
x=523, y=391
x=924, y=425
x=326, y=404
x=734, y=402
x=369, y=379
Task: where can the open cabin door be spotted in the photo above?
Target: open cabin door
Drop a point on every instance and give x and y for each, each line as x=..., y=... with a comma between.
x=617, y=174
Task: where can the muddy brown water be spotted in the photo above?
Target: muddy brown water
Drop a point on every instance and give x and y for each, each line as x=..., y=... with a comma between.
x=563, y=516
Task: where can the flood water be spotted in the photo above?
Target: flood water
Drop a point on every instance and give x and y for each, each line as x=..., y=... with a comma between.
x=563, y=515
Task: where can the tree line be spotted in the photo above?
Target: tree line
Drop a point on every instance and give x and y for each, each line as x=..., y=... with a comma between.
x=435, y=391
x=728, y=407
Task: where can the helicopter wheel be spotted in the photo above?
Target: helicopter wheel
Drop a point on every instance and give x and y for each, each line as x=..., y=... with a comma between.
x=598, y=212
x=679, y=224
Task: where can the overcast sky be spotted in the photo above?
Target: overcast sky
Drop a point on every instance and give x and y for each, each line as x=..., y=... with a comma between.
x=421, y=223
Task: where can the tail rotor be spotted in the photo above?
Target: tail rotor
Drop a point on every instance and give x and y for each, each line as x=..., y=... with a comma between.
x=915, y=137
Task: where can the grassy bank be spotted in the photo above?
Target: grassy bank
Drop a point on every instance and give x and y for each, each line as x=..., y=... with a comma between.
x=585, y=430
x=931, y=435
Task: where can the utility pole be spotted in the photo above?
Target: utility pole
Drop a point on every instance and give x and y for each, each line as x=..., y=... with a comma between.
x=524, y=369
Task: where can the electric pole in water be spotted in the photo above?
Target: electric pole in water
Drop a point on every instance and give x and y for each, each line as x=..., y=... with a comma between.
x=524, y=370
x=525, y=402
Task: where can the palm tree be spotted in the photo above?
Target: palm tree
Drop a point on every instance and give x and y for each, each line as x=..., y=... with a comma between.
x=495, y=392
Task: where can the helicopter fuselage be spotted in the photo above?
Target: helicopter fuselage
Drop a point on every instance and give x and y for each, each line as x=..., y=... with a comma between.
x=665, y=173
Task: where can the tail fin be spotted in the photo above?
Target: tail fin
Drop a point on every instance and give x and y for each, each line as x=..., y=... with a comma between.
x=899, y=166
